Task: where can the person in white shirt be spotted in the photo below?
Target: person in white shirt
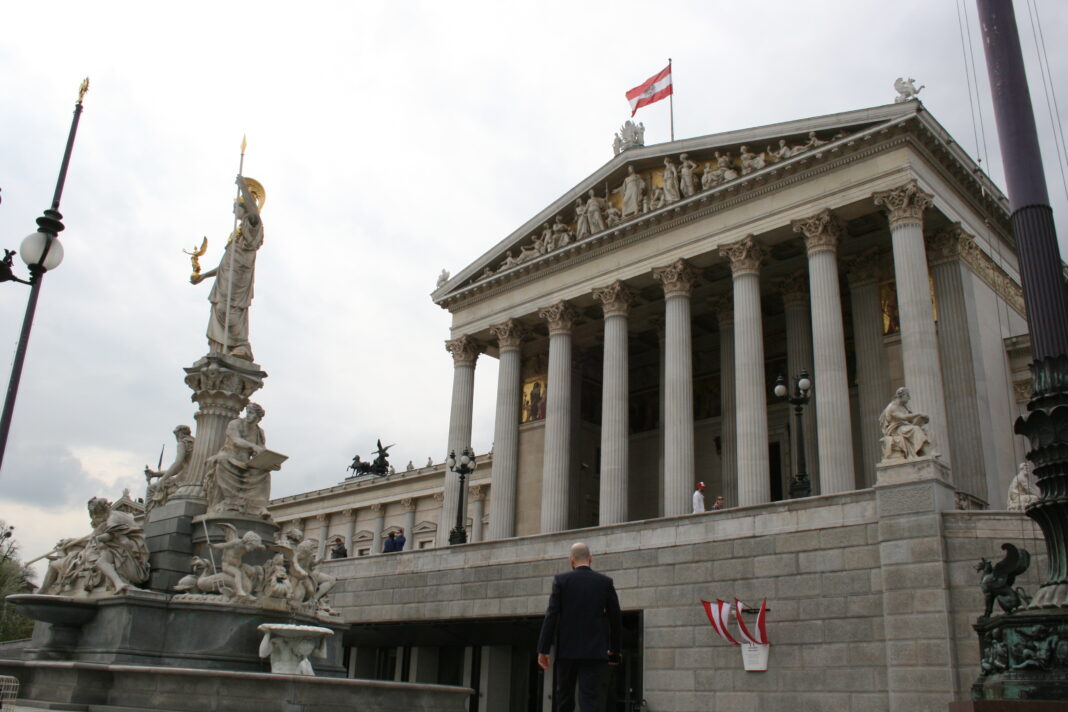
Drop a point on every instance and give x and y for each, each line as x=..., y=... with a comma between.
x=699, y=498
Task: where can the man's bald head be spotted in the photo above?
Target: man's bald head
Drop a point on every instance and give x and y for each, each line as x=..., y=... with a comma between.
x=579, y=554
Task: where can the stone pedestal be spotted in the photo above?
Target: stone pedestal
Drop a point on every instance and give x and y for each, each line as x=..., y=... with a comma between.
x=221, y=387
x=1023, y=658
x=894, y=472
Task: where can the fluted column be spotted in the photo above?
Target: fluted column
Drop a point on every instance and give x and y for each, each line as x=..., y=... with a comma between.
x=677, y=280
x=873, y=377
x=658, y=326
x=409, y=521
x=506, y=430
x=615, y=300
x=754, y=485
x=465, y=351
x=831, y=380
x=380, y=519
x=728, y=439
x=478, y=510
x=350, y=532
x=799, y=358
x=967, y=444
x=556, y=468
x=919, y=344
x=324, y=531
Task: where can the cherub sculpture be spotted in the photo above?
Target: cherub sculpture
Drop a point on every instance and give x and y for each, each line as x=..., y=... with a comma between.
x=243, y=578
x=996, y=580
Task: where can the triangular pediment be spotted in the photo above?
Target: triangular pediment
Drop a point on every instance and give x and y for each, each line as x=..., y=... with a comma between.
x=642, y=186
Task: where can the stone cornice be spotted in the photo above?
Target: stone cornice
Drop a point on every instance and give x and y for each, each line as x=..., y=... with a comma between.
x=464, y=350
x=745, y=255
x=560, y=316
x=677, y=278
x=953, y=243
x=508, y=334
x=905, y=203
x=821, y=231
x=918, y=131
x=615, y=299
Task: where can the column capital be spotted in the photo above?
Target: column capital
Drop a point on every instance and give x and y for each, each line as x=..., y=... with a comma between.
x=615, y=299
x=409, y=504
x=951, y=243
x=464, y=350
x=439, y=497
x=508, y=334
x=745, y=255
x=561, y=317
x=377, y=508
x=478, y=491
x=723, y=306
x=351, y=511
x=905, y=203
x=677, y=278
x=821, y=231
x=794, y=289
x=865, y=268
x=322, y=517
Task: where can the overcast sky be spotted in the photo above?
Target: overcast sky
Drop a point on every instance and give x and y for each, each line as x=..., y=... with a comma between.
x=393, y=139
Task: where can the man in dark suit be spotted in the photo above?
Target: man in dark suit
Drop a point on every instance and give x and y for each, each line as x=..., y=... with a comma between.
x=583, y=621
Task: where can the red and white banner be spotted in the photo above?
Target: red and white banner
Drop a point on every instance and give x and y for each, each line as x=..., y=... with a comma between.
x=718, y=613
x=761, y=637
x=653, y=89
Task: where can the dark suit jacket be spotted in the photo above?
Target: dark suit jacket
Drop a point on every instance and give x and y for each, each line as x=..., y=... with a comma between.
x=583, y=617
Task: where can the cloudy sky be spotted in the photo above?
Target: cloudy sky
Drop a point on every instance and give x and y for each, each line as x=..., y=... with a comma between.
x=393, y=139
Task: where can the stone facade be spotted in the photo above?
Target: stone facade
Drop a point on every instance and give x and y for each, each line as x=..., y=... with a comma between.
x=638, y=355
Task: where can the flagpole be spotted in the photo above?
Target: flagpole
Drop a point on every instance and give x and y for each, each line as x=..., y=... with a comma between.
x=671, y=100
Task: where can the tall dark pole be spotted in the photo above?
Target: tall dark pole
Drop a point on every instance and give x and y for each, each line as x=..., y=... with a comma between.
x=50, y=225
x=1004, y=641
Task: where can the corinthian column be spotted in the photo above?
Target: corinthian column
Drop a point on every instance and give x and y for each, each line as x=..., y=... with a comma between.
x=968, y=448
x=728, y=440
x=754, y=485
x=799, y=358
x=506, y=430
x=919, y=344
x=677, y=280
x=556, y=467
x=380, y=520
x=873, y=379
x=478, y=505
x=409, y=504
x=464, y=352
x=831, y=382
x=615, y=300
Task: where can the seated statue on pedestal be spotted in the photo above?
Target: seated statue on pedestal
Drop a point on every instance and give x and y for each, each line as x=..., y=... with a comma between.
x=159, y=492
x=1023, y=491
x=238, y=477
x=904, y=434
x=109, y=560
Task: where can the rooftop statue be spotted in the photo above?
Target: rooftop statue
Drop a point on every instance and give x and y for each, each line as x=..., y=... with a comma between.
x=443, y=277
x=904, y=434
x=109, y=560
x=630, y=135
x=906, y=90
x=231, y=295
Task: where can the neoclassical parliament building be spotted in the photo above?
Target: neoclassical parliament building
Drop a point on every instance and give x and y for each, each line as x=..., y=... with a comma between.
x=641, y=322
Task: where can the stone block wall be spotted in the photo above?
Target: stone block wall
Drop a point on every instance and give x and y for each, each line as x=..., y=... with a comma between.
x=871, y=595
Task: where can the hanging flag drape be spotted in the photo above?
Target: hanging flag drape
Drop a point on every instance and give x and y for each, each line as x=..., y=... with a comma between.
x=653, y=89
x=719, y=613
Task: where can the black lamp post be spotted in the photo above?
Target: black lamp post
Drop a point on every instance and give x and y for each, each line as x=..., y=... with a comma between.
x=800, y=486
x=463, y=466
x=41, y=251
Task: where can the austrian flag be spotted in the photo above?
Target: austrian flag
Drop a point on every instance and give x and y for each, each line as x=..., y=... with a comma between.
x=653, y=89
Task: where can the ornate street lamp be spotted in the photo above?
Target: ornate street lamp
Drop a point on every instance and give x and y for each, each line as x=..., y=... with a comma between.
x=41, y=251
x=799, y=484
x=463, y=466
